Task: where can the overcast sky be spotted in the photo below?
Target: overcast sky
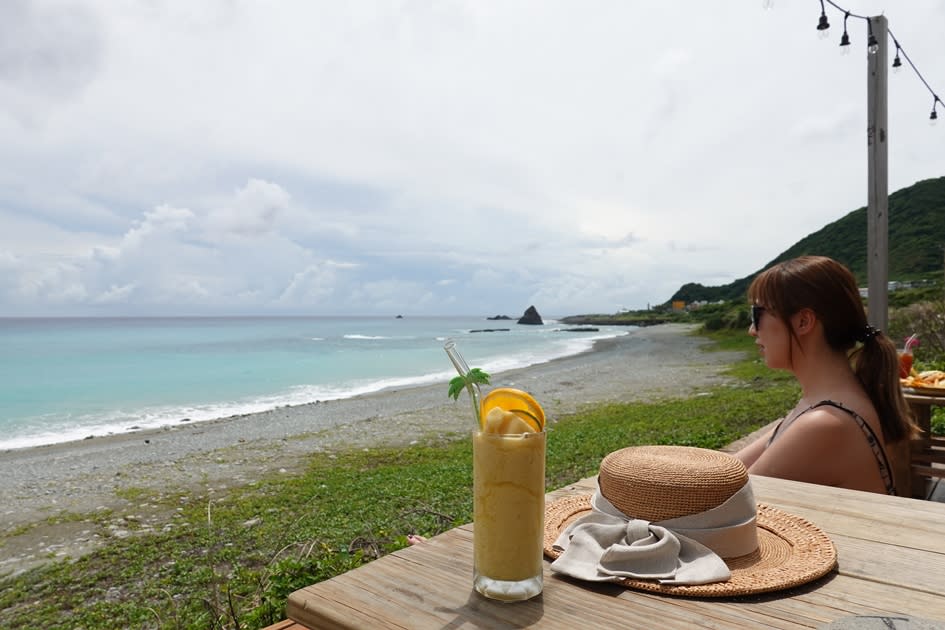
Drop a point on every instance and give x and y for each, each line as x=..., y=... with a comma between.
x=169, y=157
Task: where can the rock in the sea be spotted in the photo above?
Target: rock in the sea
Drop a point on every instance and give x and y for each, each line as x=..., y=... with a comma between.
x=499, y=317
x=531, y=317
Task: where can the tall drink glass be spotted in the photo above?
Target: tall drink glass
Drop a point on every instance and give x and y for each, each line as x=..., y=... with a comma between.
x=905, y=362
x=508, y=514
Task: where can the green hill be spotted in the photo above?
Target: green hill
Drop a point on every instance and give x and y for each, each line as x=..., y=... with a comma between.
x=916, y=238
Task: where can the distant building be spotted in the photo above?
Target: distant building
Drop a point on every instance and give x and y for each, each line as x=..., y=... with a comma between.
x=892, y=285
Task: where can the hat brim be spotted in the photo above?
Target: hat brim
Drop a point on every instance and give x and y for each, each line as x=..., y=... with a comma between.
x=791, y=551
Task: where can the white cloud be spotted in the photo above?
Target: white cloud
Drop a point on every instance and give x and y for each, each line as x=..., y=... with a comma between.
x=160, y=221
x=408, y=157
x=115, y=294
x=312, y=285
x=254, y=209
x=48, y=54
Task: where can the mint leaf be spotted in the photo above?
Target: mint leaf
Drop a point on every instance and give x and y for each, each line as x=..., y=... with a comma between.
x=456, y=386
x=475, y=376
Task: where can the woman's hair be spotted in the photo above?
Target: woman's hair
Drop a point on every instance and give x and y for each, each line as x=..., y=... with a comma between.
x=829, y=289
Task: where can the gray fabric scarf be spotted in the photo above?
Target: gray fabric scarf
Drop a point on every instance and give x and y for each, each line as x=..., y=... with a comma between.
x=607, y=545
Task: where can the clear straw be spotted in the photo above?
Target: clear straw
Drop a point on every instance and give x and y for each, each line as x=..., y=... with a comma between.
x=911, y=342
x=460, y=364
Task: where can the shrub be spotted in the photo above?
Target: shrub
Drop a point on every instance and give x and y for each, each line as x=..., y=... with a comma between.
x=927, y=321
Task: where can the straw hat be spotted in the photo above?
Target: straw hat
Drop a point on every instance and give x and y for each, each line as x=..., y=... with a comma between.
x=657, y=483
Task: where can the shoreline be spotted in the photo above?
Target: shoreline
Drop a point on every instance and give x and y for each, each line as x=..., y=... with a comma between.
x=206, y=457
x=223, y=410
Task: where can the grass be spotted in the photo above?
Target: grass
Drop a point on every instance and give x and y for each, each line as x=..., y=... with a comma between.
x=230, y=561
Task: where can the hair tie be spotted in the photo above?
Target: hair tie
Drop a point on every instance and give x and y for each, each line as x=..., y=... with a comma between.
x=867, y=333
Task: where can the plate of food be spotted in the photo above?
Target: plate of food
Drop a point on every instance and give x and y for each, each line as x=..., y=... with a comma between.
x=928, y=383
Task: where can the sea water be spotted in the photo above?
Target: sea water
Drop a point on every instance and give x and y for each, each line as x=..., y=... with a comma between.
x=65, y=379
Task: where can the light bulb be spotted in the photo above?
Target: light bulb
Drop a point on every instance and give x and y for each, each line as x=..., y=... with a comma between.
x=844, y=43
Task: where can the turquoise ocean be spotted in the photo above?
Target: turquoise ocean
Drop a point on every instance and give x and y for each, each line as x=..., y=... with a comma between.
x=64, y=379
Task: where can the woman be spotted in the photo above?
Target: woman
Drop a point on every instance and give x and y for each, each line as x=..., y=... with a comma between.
x=807, y=317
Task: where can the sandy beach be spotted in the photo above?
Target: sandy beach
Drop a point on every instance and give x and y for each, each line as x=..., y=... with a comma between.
x=104, y=473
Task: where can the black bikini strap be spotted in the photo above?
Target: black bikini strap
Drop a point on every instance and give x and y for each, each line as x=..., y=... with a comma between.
x=878, y=451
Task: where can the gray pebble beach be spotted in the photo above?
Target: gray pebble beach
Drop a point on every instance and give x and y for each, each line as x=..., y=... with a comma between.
x=97, y=474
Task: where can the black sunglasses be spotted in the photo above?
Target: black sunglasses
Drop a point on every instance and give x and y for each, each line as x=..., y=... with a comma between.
x=756, y=312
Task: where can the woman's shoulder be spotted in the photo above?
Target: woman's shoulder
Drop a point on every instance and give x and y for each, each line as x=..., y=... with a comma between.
x=843, y=407
x=837, y=417
x=823, y=419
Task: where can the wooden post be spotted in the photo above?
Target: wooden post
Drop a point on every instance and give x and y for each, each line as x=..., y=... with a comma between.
x=877, y=223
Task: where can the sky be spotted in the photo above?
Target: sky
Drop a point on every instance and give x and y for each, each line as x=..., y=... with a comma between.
x=437, y=157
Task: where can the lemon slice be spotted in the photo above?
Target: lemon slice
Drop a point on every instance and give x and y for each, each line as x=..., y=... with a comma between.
x=513, y=401
x=526, y=416
x=505, y=422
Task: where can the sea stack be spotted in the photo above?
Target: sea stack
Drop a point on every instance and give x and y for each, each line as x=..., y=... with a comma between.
x=531, y=317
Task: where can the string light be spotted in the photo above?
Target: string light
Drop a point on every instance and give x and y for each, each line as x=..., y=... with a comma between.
x=822, y=24
x=845, y=39
x=872, y=46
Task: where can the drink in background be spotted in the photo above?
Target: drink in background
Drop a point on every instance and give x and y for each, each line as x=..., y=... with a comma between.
x=905, y=362
x=509, y=507
x=905, y=356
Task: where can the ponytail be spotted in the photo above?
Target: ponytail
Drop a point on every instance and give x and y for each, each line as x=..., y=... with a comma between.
x=876, y=364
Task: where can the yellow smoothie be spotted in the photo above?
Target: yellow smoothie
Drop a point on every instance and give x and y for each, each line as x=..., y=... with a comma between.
x=509, y=504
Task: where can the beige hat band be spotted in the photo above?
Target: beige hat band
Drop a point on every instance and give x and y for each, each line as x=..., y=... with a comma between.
x=607, y=545
x=730, y=530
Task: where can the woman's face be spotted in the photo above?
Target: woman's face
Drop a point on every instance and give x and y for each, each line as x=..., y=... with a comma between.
x=772, y=337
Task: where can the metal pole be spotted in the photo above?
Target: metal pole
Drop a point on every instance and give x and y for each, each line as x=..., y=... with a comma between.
x=877, y=224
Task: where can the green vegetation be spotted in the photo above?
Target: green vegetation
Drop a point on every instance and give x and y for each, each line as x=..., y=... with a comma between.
x=915, y=236
x=230, y=561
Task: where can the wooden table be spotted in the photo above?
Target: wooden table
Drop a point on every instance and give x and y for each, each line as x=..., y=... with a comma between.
x=927, y=452
x=891, y=562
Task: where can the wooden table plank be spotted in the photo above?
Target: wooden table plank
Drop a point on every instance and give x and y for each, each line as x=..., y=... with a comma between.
x=568, y=604
x=891, y=555
x=890, y=520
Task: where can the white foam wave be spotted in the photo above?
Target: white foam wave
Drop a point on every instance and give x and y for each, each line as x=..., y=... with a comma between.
x=121, y=421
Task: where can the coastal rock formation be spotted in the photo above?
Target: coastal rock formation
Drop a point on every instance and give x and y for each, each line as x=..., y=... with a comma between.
x=499, y=317
x=475, y=330
x=531, y=317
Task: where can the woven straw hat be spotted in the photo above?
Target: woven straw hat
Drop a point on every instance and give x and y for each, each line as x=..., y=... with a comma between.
x=656, y=483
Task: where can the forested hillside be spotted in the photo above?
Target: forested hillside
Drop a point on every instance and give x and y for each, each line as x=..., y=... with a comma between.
x=916, y=241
